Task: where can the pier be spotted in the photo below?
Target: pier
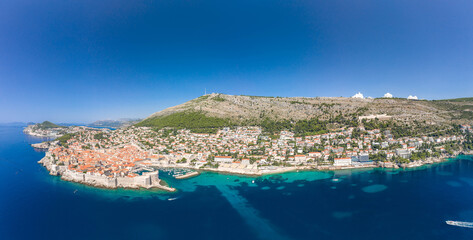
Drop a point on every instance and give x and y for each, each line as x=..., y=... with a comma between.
x=187, y=175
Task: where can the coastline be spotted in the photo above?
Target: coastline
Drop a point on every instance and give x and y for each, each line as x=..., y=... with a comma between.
x=125, y=159
x=263, y=172
x=331, y=168
x=30, y=132
x=42, y=146
x=151, y=180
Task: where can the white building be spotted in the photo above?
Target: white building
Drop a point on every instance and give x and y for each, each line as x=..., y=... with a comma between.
x=315, y=154
x=340, y=162
x=223, y=159
x=300, y=158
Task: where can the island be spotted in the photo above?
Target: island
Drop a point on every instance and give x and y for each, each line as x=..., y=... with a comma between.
x=304, y=134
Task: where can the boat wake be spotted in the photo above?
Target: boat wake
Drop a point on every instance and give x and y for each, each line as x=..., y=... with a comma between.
x=460, y=224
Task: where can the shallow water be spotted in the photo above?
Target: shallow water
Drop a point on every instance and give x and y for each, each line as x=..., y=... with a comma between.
x=374, y=188
x=350, y=204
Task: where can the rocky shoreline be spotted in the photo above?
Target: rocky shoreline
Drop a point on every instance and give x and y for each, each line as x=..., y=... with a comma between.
x=151, y=180
x=275, y=170
x=42, y=146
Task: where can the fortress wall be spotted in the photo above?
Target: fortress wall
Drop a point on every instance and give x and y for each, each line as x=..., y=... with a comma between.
x=147, y=180
x=143, y=181
x=73, y=176
x=125, y=182
x=154, y=177
x=101, y=181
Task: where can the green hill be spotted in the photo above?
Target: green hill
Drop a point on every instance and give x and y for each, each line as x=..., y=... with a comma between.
x=196, y=121
x=47, y=125
x=467, y=99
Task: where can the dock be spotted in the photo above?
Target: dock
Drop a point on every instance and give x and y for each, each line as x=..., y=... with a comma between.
x=187, y=175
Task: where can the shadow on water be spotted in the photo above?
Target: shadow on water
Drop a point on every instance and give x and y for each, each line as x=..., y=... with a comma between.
x=262, y=227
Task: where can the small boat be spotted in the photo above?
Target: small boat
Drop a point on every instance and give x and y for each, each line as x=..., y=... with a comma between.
x=172, y=199
x=253, y=181
x=460, y=224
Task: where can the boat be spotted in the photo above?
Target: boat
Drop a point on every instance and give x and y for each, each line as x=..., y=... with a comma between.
x=171, y=199
x=460, y=224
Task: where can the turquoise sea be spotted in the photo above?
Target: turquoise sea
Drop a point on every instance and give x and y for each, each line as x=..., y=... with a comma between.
x=355, y=204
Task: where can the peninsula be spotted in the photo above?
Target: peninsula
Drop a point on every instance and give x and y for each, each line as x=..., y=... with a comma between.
x=264, y=135
x=45, y=129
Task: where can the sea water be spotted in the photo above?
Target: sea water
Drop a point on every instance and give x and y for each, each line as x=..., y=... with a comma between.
x=350, y=204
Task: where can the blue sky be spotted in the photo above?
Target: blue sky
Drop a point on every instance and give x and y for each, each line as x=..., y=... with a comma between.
x=81, y=61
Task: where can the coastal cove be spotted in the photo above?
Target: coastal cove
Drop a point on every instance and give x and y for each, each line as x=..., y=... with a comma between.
x=367, y=203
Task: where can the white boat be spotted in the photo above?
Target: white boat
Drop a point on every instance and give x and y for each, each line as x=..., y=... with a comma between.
x=460, y=224
x=171, y=199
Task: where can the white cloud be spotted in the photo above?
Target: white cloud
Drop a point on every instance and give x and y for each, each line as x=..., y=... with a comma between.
x=412, y=97
x=388, y=95
x=358, y=95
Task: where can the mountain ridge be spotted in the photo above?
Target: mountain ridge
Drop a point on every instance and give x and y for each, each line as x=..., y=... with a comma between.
x=253, y=110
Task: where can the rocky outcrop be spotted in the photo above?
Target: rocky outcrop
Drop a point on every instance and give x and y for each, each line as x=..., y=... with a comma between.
x=412, y=164
x=43, y=145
